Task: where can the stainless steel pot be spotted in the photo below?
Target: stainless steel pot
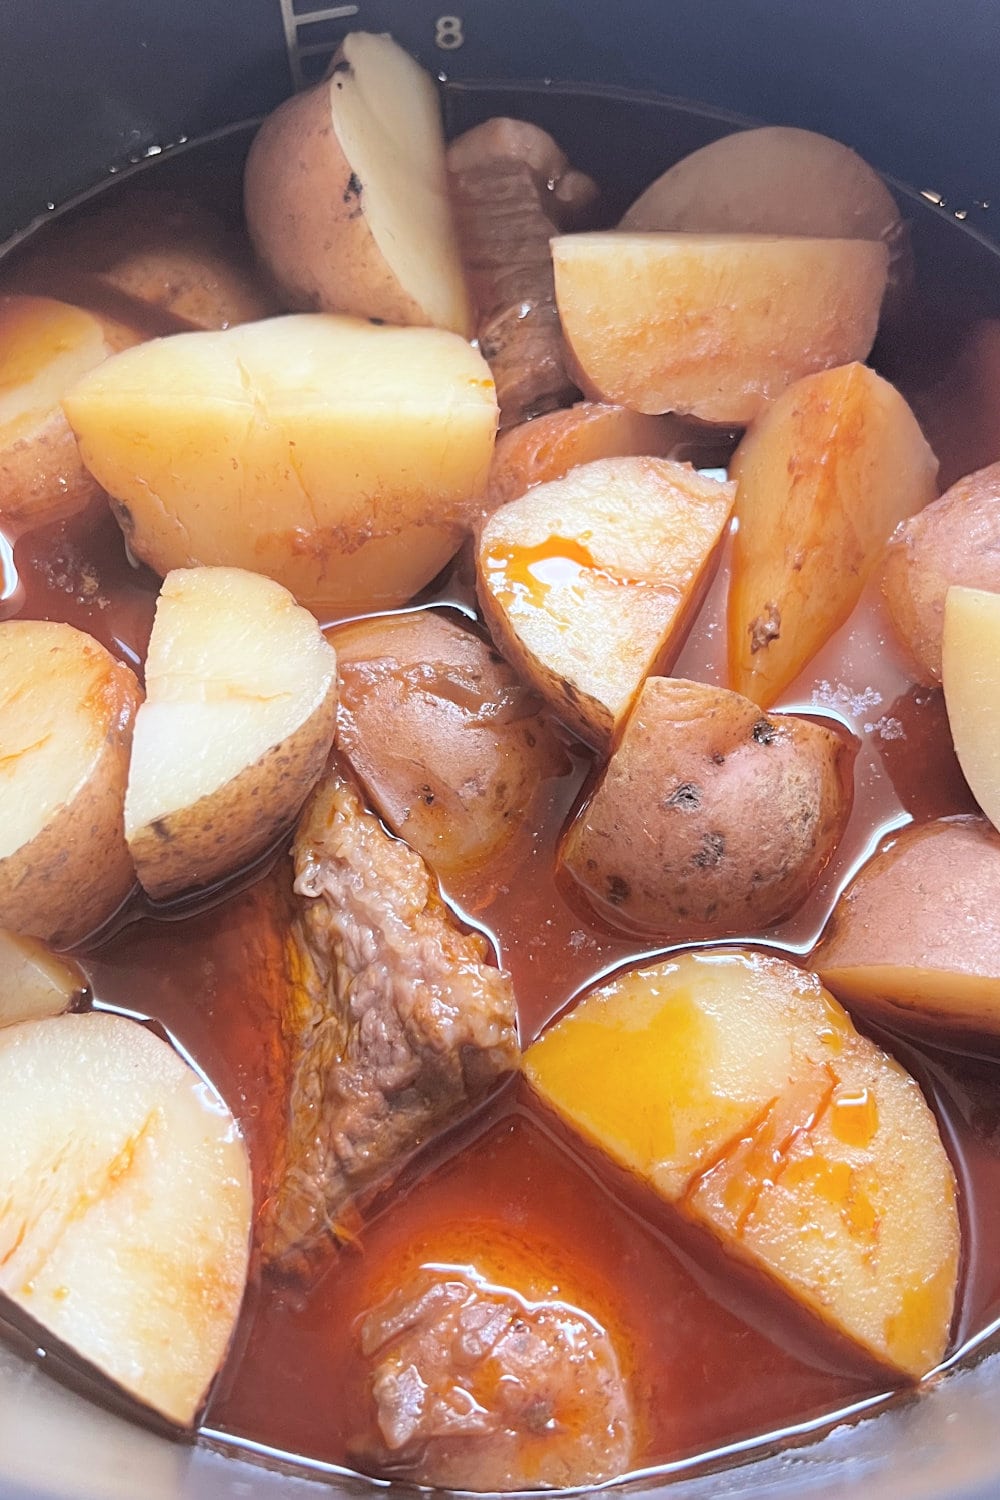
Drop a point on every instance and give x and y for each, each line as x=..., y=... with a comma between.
x=90, y=87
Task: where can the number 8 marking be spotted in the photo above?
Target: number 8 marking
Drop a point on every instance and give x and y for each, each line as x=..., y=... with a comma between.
x=448, y=33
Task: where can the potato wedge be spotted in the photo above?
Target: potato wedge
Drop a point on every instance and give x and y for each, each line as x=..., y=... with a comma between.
x=125, y=1204
x=35, y=982
x=449, y=745
x=709, y=819
x=773, y=180
x=739, y=1090
x=45, y=346
x=66, y=715
x=954, y=540
x=237, y=723
x=822, y=479
x=586, y=583
x=971, y=679
x=549, y=446
x=346, y=194
x=148, y=260
x=712, y=326
x=914, y=941
x=239, y=717
x=341, y=459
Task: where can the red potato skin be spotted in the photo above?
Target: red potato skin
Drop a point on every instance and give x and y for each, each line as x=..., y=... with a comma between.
x=294, y=227
x=914, y=940
x=954, y=540
x=711, y=819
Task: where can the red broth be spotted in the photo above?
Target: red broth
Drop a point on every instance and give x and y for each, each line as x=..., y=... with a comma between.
x=716, y=1359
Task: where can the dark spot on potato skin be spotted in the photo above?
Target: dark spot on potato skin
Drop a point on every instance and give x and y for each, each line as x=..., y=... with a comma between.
x=427, y=795
x=763, y=732
x=711, y=852
x=378, y=322
x=619, y=889
x=718, y=759
x=160, y=828
x=686, y=797
x=353, y=189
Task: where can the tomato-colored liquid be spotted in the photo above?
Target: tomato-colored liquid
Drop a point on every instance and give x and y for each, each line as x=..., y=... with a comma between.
x=714, y=1357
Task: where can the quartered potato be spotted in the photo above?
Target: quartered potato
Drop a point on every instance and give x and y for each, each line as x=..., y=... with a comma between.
x=45, y=346
x=971, y=676
x=125, y=1204
x=548, y=447
x=241, y=695
x=739, y=1090
x=587, y=583
x=339, y=458
x=447, y=742
x=914, y=941
x=66, y=715
x=158, y=261
x=773, y=180
x=712, y=325
x=35, y=982
x=822, y=478
x=346, y=193
x=954, y=540
x=709, y=818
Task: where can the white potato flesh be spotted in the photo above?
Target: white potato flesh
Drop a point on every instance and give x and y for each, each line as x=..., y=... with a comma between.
x=125, y=1204
x=739, y=1089
x=34, y=982
x=66, y=712
x=716, y=325
x=237, y=677
x=291, y=447
x=774, y=180
x=587, y=582
x=971, y=680
x=387, y=118
x=45, y=347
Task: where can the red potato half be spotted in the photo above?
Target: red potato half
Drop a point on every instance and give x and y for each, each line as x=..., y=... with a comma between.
x=773, y=180
x=822, y=478
x=45, y=347
x=712, y=326
x=239, y=717
x=448, y=743
x=346, y=194
x=342, y=459
x=125, y=1204
x=66, y=716
x=549, y=446
x=914, y=941
x=709, y=819
x=737, y=1087
x=587, y=583
x=971, y=679
x=953, y=541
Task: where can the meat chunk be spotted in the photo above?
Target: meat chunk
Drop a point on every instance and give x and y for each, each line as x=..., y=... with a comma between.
x=513, y=189
x=476, y=1389
x=396, y=1022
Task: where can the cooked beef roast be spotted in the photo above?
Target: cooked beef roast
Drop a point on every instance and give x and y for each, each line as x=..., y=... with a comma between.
x=396, y=1021
x=476, y=1389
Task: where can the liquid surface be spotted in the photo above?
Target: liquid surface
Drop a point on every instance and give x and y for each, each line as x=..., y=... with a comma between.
x=714, y=1357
